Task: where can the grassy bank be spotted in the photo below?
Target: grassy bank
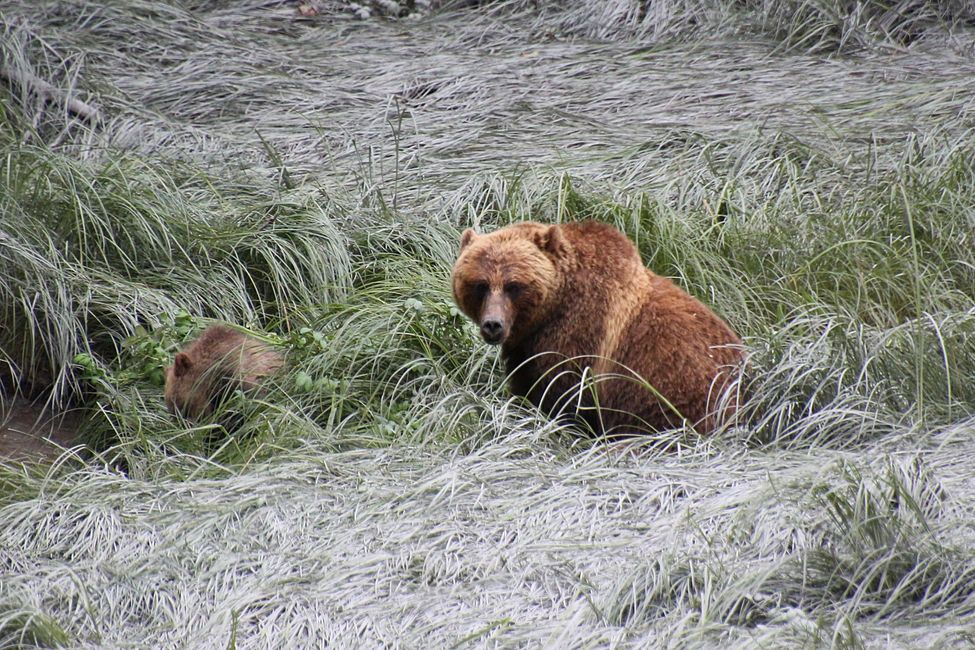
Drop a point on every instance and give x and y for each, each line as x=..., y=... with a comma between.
x=308, y=178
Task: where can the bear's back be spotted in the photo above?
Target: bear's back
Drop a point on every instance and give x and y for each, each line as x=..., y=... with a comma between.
x=683, y=350
x=236, y=354
x=637, y=332
x=601, y=245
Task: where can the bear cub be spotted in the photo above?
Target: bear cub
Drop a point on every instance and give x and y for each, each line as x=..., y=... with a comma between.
x=586, y=330
x=217, y=363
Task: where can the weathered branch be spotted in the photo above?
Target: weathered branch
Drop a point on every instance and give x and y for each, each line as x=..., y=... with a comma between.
x=37, y=86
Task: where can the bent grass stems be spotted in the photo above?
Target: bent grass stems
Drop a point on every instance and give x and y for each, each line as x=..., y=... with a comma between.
x=388, y=491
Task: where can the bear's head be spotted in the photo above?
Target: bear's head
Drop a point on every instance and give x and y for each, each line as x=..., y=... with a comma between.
x=508, y=281
x=183, y=390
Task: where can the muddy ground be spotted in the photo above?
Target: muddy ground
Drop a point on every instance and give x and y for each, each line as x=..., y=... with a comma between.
x=29, y=432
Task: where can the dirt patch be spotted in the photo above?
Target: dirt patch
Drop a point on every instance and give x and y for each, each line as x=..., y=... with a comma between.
x=29, y=432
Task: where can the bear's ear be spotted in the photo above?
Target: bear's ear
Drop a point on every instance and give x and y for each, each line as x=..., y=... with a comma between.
x=551, y=241
x=467, y=238
x=182, y=364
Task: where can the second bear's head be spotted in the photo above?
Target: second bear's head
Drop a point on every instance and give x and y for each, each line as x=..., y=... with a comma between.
x=508, y=281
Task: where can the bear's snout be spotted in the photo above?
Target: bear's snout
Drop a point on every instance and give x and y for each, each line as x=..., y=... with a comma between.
x=495, y=318
x=492, y=330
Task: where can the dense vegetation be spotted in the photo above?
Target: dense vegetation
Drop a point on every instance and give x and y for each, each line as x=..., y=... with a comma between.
x=804, y=167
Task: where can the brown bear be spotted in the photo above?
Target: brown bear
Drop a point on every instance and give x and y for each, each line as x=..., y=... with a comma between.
x=586, y=330
x=220, y=361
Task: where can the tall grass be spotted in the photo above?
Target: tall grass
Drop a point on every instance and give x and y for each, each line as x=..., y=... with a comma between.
x=119, y=243
x=308, y=177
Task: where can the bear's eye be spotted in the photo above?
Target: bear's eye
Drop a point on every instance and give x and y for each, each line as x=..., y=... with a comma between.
x=513, y=289
x=480, y=289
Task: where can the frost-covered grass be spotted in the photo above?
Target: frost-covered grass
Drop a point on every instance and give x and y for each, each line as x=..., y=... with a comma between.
x=805, y=167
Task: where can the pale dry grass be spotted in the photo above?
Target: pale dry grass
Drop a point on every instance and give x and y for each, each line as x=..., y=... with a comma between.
x=309, y=178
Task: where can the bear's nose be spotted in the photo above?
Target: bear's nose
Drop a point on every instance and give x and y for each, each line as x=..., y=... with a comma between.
x=492, y=330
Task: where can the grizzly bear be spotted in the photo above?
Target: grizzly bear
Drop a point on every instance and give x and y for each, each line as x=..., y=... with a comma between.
x=220, y=361
x=587, y=331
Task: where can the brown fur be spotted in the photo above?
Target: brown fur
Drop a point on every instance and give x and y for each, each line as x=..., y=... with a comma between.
x=575, y=299
x=221, y=360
